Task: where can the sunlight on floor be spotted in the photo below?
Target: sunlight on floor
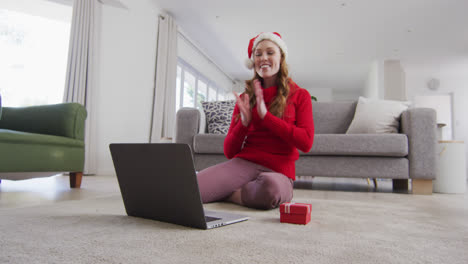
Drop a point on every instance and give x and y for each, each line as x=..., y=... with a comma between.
x=54, y=189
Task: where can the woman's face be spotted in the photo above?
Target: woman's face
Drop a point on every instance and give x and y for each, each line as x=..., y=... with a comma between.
x=267, y=59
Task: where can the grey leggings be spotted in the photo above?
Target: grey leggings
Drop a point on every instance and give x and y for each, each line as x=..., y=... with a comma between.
x=260, y=187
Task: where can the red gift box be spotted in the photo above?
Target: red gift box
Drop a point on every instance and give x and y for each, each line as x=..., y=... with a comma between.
x=295, y=213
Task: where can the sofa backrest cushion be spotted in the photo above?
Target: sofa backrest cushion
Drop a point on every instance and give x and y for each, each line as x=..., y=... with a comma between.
x=333, y=117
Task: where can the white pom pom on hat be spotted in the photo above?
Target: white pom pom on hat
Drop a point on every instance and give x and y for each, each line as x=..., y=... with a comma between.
x=249, y=63
x=272, y=36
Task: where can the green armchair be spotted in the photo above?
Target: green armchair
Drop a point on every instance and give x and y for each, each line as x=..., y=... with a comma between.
x=39, y=139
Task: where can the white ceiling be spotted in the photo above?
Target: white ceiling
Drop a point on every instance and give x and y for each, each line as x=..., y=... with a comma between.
x=331, y=43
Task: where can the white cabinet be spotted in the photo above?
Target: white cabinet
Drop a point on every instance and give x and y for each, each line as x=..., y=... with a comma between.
x=451, y=169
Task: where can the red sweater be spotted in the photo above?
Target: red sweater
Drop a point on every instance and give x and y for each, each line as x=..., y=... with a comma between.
x=273, y=142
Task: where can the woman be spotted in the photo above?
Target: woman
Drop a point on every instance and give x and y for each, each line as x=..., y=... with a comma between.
x=271, y=120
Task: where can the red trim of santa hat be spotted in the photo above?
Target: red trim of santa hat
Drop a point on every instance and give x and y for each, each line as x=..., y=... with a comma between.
x=272, y=36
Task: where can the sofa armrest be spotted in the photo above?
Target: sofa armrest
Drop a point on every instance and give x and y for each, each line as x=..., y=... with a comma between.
x=420, y=126
x=66, y=120
x=187, y=125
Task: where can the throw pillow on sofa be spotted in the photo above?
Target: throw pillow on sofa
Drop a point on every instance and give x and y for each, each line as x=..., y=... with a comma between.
x=377, y=116
x=218, y=115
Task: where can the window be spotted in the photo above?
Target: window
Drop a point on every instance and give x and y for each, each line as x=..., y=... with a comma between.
x=194, y=88
x=202, y=95
x=212, y=94
x=34, y=53
x=189, y=89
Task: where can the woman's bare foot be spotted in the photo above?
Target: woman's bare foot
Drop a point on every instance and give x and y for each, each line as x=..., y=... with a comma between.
x=235, y=197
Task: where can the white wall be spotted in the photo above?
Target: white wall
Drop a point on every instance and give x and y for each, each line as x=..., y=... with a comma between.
x=453, y=79
x=385, y=80
x=123, y=96
x=346, y=95
x=322, y=94
x=374, y=85
x=394, y=81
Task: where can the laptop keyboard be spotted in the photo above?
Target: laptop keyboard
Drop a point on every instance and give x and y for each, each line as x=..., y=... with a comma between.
x=209, y=218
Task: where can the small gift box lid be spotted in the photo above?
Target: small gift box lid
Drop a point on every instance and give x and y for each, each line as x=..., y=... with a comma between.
x=295, y=208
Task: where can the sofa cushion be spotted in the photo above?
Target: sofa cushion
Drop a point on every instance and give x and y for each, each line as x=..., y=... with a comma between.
x=391, y=145
x=218, y=115
x=209, y=144
x=377, y=116
x=332, y=117
x=357, y=167
x=382, y=145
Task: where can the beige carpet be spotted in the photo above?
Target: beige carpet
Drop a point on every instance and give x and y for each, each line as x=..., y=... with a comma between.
x=346, y=227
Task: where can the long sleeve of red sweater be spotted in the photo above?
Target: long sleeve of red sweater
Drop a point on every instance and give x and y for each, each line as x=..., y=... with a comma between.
x=300, y=135
x=236, y=135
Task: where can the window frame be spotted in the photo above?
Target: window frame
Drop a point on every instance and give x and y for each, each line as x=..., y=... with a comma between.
x=185, y=66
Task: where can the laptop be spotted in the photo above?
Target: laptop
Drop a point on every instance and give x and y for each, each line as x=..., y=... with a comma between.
x=158, y=181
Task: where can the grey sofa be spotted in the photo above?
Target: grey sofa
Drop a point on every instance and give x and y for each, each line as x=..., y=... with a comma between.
x=407, y=155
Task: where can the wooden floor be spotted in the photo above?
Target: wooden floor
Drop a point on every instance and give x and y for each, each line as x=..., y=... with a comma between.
x=56, y=188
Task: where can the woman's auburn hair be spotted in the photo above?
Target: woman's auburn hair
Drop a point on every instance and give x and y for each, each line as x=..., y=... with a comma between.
x=279, y=103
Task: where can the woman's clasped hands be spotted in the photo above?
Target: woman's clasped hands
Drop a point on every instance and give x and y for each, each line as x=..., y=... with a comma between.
x=244, y=105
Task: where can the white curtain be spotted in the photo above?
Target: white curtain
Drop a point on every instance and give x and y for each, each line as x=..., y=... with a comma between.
x=80, y=68
x=163, y=118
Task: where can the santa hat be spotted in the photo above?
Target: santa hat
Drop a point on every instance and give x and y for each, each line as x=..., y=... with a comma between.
x=272, y=36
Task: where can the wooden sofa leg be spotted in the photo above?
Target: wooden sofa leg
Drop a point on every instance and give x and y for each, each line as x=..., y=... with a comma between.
x=400, y=184
x=422, y=186
x=75, y=179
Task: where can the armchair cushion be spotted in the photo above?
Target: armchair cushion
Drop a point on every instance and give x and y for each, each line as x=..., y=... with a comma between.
x=45, y=138
x=18, y=137
x=31, y=152
x=66, y=120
